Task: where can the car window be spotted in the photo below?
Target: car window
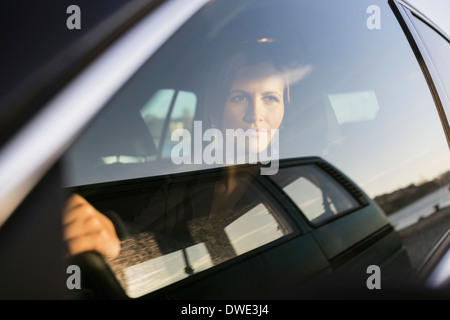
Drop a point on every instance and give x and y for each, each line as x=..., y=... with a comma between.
x=181, y=108
x=319, y=197
x=352, y=94
x=185, y=228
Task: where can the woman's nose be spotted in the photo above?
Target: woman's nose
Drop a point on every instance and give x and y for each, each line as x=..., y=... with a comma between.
x=255, y=111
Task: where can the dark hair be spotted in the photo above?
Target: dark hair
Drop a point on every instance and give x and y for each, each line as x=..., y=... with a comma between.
x=225, y=69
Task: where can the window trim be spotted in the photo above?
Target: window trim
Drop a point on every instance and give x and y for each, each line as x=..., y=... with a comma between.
x=403, y=13
x=424, y=18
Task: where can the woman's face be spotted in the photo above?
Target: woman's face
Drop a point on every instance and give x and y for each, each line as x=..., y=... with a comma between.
x=256, y=101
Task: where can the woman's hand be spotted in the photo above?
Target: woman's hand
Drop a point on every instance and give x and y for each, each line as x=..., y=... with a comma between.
x=86, y=229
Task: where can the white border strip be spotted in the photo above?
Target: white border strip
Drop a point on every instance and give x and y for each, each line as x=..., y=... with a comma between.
x=28, y=155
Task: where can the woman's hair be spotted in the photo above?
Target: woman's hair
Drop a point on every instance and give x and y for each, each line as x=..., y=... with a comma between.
x=226, y=67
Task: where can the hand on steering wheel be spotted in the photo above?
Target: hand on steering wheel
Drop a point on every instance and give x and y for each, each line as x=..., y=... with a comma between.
x=86, y=229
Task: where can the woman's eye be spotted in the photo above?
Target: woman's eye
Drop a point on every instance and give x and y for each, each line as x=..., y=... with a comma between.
x=270, y=99
x=239, y=98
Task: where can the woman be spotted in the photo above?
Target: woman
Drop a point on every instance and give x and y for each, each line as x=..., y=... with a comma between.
x=249, y=91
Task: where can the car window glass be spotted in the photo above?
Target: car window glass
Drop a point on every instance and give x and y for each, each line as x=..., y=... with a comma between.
x=319, y=197
x=181, y=118
x=181, y=106
x=156, y=111
x=185, y=228
x=354, y=96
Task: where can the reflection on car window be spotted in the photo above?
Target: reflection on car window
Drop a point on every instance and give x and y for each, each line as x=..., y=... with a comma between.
x=181, y=107
x=187, y=227
x=439, y=50
x=155, y=112
x=319, y=197
x=352, y=95
x=264, y=229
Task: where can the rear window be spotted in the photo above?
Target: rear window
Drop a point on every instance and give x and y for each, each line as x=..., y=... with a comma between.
x=319, y=197
x=184, y=227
